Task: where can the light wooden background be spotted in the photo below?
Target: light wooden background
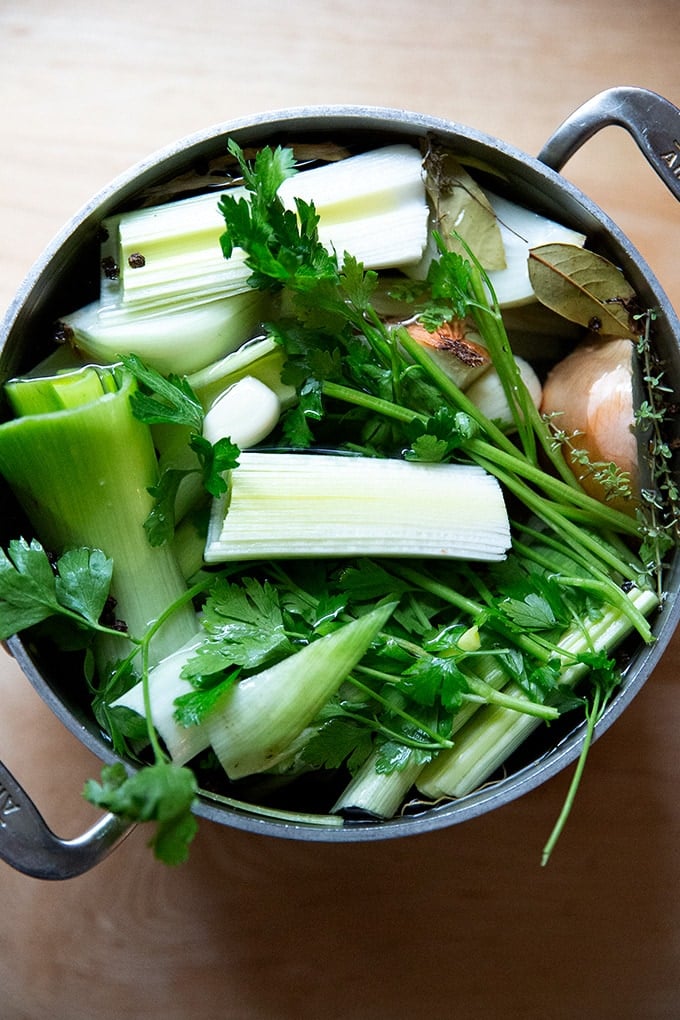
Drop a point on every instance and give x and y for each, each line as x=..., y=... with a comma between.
x=457, y=923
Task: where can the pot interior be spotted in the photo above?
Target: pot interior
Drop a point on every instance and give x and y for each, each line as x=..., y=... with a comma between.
x=67, y=276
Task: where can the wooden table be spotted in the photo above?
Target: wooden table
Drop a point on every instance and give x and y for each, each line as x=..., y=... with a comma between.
x=459, y=922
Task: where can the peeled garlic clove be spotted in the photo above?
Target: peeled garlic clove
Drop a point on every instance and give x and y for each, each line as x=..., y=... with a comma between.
x=245, y=413
x=488, y=395
x=459, y=354
x=590, y=392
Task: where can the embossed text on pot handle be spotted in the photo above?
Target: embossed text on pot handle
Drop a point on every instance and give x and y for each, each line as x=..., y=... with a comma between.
x=29, y=845
x=652, y=121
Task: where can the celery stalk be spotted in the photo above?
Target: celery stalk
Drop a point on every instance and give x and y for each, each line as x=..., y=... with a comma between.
x=257, y=719
x=494, y=733
x=381, y=794
x=81, y=475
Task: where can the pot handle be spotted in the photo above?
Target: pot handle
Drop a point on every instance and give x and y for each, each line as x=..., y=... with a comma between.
x=652, y=121
x=30, y=846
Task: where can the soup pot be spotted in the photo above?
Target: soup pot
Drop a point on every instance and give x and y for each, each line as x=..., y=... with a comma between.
x=66, y=275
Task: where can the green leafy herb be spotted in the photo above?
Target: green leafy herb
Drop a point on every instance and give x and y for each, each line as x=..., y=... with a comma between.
x=32, y=590
x=161, y=400
x=161, y=793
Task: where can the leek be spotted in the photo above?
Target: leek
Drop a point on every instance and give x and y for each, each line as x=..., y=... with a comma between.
x=373, y=205
x=165, y=685
x=325, y=505
x=261, y=359
x=180, y=339
x=81, y=475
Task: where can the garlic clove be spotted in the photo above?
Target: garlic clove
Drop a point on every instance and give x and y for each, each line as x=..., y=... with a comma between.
x=488, y=395
x=245, y=413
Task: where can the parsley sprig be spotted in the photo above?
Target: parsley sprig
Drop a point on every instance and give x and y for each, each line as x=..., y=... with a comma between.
x=170, y=400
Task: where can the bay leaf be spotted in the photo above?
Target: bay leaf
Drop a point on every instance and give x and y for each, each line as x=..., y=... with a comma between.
x=461, y=207
x=582, y=287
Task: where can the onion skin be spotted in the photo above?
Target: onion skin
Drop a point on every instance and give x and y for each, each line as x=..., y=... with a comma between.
x=457, y=351
x=590, y=392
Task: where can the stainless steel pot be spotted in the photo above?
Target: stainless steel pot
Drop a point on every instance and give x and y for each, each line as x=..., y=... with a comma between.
x=66, y=274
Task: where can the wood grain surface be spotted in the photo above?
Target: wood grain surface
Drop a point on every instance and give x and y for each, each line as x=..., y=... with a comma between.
x=461, y=922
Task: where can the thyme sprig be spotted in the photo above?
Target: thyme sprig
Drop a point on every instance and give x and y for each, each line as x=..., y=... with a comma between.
x=659, y=515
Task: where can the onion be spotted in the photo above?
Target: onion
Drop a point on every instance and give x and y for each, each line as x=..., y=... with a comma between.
x=591, y=393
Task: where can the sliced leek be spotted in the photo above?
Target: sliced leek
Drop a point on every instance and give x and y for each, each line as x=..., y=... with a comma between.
x=180, y=339
x=81, y=474
x=165, y=686
x=284, y=505
x=373, y=205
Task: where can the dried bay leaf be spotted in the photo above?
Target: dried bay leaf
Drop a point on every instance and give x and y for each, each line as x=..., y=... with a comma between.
x=583, y=287
x=462, y=208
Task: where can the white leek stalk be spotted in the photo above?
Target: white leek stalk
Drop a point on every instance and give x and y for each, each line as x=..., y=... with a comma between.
x=165, y=686
x=180, y=339
x=372, y=205
x=283, y=505
x=261, y=359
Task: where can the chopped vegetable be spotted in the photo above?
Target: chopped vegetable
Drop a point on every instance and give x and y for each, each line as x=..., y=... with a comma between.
x=181, y=339
x=256, y=721
x=82, y=474
x=281, y=505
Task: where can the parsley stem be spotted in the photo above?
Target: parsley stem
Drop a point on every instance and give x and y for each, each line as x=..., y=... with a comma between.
x=440, y=741
x=555, y=487
x=592, y=715
x=362, y=399
x=578, y=538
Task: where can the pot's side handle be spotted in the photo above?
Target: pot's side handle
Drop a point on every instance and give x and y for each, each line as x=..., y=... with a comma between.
x=651, y=120
x=30, y=846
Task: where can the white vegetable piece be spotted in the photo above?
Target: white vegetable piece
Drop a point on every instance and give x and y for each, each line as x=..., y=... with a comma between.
x=258, y=719
x=487, y=393
x=181, y=339
x=372, y=205
x=165, y=685
x=329, y=505
x=522, y=229
x=245, y=413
